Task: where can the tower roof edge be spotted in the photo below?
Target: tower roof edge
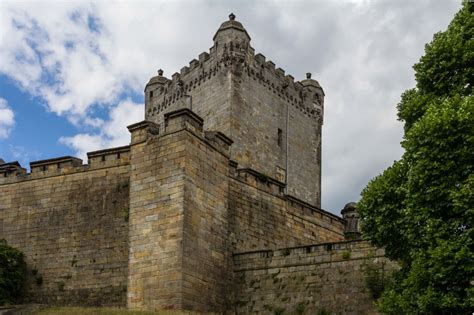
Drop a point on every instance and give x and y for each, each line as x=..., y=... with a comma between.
x=231, y=24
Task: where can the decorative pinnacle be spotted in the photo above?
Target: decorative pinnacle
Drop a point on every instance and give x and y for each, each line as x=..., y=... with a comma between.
x=308, y=75
x=160, y=73
x=232, y=16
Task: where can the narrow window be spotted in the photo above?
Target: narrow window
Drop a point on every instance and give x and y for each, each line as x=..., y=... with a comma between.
x=151, y=94
x=280, y=137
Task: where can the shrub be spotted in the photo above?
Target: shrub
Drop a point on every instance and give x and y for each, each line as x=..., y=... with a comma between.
x=324, y=311
x=375, y=279
x=300, y=308
x=346, y=255
x=12, y=273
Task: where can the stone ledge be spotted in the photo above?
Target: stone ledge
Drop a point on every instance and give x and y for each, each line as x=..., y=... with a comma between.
x=108, y=156
x=305, y=205
x=184, y=112
x=11, y=168
x=55, y=164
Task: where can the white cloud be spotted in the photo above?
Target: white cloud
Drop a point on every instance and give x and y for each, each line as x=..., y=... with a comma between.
x=113, y=131
x=79, y=57
x=7, y=119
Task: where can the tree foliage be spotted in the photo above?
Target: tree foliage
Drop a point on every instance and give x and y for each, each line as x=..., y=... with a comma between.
x=12, y=273
x=421, y=209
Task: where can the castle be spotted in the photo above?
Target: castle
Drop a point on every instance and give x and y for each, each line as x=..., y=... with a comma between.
x=213, y=207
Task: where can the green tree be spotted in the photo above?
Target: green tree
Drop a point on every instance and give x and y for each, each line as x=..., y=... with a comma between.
x=421, y=209
x=12, y=273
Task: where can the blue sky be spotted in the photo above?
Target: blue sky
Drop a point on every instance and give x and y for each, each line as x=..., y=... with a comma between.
x=72, y=73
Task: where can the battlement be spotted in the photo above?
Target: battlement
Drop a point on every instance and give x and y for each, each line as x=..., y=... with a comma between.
x=55, y=164
x=13, y=172
x=327, y=253
x=236, y=55
x=108, y=157
x=309, y=99
x=261, y=181
x=11, y=169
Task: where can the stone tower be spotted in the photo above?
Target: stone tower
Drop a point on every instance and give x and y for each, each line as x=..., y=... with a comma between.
x=274, y=121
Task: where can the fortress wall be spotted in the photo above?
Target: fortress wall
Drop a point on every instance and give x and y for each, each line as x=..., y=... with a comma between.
x=263, y=217
x=156, y=215
x=70, y=221
x=179, y=257
x=308, y=280
x=207, y=267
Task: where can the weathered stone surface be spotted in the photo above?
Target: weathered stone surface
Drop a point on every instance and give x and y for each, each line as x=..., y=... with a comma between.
x=307, y=280
x=71, y=223
x=179, y=257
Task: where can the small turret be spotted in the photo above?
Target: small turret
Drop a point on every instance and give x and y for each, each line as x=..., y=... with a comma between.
x=157, y=80
x=314, y=95
x=154, y=87
x=350, y=214
x=312, y=85
x=231, y=37
x=231, y=28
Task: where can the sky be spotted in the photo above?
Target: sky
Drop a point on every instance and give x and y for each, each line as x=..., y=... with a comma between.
x=72, y=73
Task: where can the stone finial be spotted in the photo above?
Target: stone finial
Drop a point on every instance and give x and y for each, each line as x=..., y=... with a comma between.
x=350, y=214
x=160, y=73
x=232, y=16
x=308, y=75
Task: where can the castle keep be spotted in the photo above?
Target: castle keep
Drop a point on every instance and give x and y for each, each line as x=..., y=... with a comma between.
x=213, y=207
x=274, y=121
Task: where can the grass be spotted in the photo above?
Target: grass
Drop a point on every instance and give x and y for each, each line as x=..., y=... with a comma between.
x=102, y=311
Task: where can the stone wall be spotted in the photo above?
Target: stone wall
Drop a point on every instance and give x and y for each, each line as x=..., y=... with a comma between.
x=70, y=221
x=156, y=214
x=263, y=217
x=179, y=253
x=307, y=280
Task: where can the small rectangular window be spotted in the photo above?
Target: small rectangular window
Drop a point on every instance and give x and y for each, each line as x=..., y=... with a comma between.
x=280, y=137
x=151, y=94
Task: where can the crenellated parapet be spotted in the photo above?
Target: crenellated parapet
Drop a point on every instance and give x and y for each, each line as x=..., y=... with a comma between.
x=55, y=164
x=12, y=172
x=108, y=157
x=11, y=169
x=232, y=53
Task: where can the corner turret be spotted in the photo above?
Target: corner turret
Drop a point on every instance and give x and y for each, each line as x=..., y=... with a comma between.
x=231, y=37
x=350, y=214
x=313, y=93
x=231, y=28
x=154, y=87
